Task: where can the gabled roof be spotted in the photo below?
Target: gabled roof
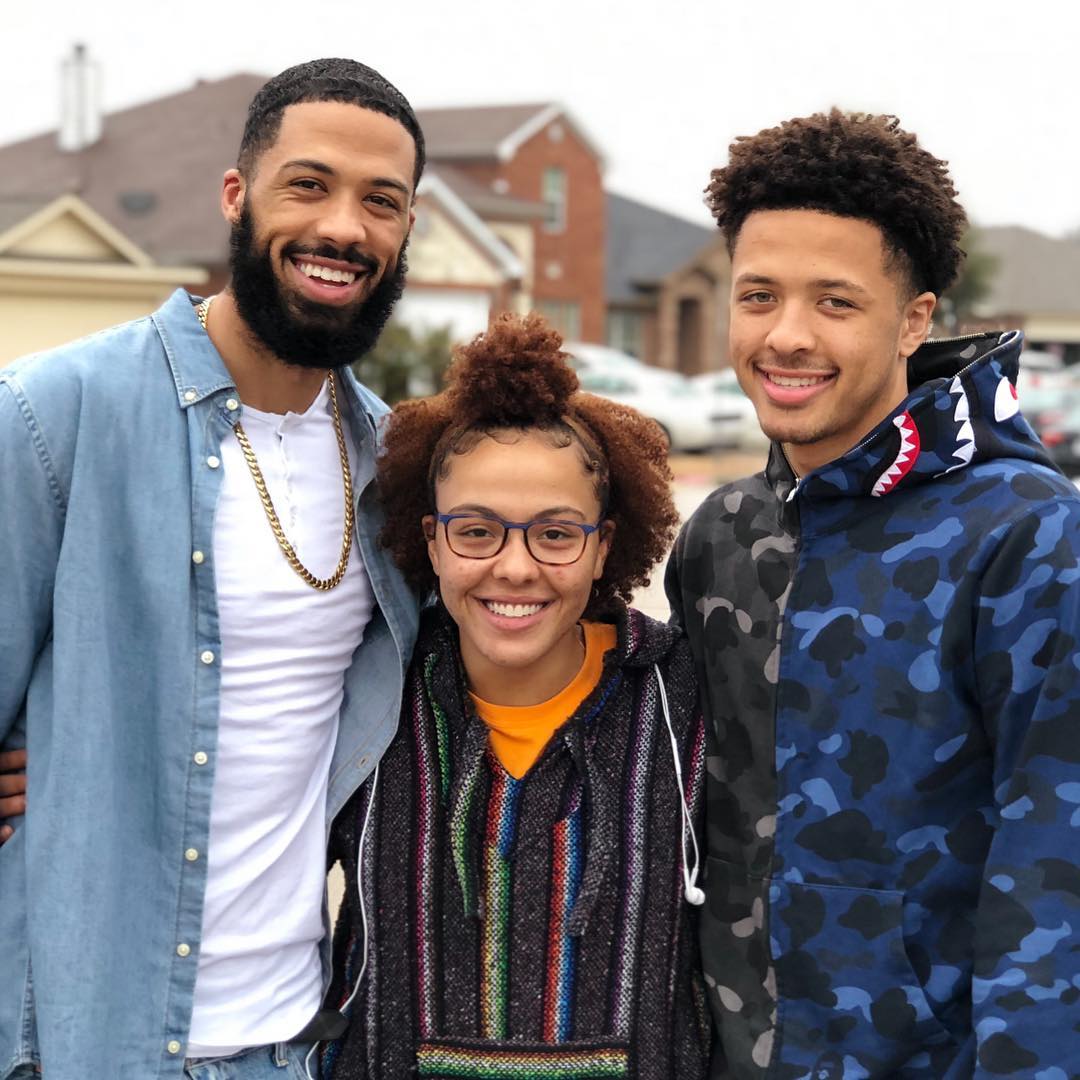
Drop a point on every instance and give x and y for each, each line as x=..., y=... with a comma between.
x=644, y=245
x=155, y=173
x=433, y=186
x=487, y=203
x=65, y=238
x=1036, y=274
x=491, y=131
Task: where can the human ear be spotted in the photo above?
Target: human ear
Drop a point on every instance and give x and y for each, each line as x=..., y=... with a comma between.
x=916, y=322
x=428, y=524
x=607, y=533
x=233, y=188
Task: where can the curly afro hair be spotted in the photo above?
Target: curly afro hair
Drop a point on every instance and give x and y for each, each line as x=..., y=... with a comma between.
x=853, y=165
x=511, y=380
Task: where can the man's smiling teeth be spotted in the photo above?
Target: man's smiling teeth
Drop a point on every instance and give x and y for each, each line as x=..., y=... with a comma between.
x=512, y=611
x=311, y=270
x=799, y=380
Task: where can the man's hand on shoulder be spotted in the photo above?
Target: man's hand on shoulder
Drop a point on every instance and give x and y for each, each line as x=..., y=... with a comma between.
x=12, y=788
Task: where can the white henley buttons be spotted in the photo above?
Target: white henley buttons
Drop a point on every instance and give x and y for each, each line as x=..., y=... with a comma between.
x=213, y=461
x=189, y=395
x=173, y=1047
x=191, y=854
x=207, y=657
x=232, y=404
x=201, y=757
x=183, y=949
x=197, y=557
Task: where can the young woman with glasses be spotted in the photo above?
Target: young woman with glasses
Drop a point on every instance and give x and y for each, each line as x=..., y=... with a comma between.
x=521, y=870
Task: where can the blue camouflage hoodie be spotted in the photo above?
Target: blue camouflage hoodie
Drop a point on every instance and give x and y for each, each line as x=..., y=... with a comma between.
x=888, y=657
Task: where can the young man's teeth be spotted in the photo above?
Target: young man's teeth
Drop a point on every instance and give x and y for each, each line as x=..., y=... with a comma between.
x=801, y=380
x=512, y=611
x=345, y=277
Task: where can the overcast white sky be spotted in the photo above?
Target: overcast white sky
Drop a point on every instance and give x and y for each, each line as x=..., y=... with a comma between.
x=662, y=86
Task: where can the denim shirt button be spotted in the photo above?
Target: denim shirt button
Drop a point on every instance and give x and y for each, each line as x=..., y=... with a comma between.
x=173, y=1046
x=207, y=657
x=201, y=757
x=183, y=949
x=191, y=854
x=232, y=404
x=190, y=395
x=197, y=557
x=213, y=461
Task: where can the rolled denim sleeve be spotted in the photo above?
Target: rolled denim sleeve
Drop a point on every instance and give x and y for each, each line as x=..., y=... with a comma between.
x=31, y=530
x=1027, y=927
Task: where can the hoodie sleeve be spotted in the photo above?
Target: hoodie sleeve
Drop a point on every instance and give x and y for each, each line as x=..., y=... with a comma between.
x=672, y=582
x=31, y=529
x=1026, y=979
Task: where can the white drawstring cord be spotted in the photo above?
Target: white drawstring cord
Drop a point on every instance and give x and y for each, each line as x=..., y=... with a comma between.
x=363, y=911
x=693, y=892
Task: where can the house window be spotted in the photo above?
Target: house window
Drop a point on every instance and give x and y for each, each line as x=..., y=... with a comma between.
x=564, y=316
x=553, y=196
x=625, y=332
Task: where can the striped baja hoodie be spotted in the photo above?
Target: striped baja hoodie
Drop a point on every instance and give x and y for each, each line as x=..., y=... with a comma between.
x=533, y=928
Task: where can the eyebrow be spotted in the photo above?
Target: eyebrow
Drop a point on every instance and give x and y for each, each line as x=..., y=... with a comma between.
x=327, y=170
x=543, y=515
x=819, y=283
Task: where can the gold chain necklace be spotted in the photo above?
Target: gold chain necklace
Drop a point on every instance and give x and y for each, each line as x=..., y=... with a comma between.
x=324, y=584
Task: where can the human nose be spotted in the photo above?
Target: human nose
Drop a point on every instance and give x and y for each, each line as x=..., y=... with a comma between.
x=514, y=562
x=791, y=330
x=342, y=223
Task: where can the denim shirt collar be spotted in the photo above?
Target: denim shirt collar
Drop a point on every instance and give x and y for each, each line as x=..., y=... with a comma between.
x=198, y=371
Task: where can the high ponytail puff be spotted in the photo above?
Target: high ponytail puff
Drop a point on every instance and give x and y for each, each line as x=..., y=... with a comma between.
x=513, y=375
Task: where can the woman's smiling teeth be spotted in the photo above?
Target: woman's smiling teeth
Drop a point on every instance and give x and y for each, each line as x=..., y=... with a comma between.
x=344, y=277
x=512, y=611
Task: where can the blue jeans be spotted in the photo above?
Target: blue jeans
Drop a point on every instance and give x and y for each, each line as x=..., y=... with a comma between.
x=283, y=1061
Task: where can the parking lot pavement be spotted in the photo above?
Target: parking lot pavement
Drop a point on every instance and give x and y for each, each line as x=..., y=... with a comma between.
x=695, y=476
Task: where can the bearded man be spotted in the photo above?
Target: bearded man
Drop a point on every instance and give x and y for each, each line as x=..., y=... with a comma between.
x=203, y=644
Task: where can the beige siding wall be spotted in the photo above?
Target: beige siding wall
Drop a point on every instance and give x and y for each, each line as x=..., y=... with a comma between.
x=33, y=321
x=440, y=253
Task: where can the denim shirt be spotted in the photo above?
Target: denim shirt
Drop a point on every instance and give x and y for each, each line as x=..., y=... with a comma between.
x=109, y=674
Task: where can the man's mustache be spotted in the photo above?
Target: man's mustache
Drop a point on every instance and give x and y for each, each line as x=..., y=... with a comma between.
x=353, y=256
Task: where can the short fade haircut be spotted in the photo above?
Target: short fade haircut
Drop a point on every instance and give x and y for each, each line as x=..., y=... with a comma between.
x=332, y=79
x=853, y=165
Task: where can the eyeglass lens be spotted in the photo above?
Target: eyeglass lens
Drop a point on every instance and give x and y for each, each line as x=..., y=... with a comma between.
x=548, y=541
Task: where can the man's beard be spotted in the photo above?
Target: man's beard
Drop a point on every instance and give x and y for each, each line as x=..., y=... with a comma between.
x=295, y=329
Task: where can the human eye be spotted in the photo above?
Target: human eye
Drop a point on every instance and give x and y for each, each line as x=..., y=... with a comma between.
x=838, y=303
x=555, y=536
x=474, y=528
x=384, y=202
x=757, y=296
x=306, y=183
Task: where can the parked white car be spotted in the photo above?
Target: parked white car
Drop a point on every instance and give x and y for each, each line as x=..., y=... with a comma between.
x=666, y=396
x=733, y=410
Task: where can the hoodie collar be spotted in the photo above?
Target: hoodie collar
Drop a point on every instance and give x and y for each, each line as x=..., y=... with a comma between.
x=962, y=409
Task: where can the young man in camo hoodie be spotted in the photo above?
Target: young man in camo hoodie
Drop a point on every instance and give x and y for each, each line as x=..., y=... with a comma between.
x=884, y=624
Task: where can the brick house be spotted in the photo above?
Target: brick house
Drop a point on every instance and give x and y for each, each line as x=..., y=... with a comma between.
x=536, y=155
x=667, y=288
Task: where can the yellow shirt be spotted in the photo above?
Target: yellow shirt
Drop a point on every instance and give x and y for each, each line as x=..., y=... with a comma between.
x=519, y=733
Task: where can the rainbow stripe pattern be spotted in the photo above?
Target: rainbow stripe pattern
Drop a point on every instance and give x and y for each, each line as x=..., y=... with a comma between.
x=526, y=1063
x=562, y=948
x=495, y=938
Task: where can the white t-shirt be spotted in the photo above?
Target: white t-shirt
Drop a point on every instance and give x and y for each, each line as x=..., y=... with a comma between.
x=284, y=650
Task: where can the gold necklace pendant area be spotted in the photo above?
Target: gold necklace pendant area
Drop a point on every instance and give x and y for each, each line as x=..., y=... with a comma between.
x=323, y=584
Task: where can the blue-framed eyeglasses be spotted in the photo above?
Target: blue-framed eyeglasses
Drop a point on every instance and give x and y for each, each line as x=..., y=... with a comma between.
x=481, y=536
